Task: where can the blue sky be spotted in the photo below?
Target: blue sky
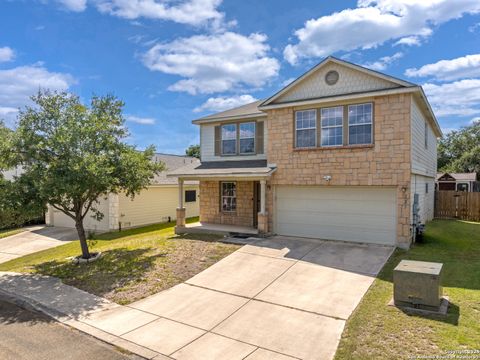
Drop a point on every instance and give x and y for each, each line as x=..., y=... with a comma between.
x=172, y=61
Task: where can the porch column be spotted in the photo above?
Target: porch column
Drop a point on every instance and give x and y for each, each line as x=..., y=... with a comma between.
x=262, y=196
x=180, y=209
x=262, y=215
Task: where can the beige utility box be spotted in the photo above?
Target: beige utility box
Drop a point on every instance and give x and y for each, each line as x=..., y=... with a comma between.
x=417, y=284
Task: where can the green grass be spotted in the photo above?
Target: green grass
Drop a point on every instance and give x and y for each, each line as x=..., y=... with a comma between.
x=135, y=263
x=10, y=232
x=378, y=331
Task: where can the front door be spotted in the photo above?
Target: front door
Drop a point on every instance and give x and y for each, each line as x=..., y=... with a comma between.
x=256, y=202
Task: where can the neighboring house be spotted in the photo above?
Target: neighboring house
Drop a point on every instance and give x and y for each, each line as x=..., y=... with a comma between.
x=337, y=154
x=457, y=182
x=155, y=204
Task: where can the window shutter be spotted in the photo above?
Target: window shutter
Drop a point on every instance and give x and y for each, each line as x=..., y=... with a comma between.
x=259, y=143
x=218, y=140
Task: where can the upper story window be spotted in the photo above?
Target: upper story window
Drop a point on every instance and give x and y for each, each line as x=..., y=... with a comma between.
x=360, y=120
x=229, y=139
x=247, y=138
x=332, y=126
x=306, y=128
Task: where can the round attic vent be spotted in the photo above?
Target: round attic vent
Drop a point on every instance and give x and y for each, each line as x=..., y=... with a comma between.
x=332, y=77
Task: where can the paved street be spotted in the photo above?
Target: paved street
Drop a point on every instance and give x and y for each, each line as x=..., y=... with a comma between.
x=31, y=336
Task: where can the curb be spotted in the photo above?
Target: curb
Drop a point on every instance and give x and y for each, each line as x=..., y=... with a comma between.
x=64, y=319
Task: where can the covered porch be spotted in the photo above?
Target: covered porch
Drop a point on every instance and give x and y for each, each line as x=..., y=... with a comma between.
x=233, y=197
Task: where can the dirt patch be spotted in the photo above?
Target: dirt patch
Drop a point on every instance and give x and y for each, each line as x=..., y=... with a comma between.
x=125, y=275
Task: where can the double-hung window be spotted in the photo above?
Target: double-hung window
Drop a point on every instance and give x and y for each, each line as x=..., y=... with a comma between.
x=247, y=138
x=306, y=128
x=229, y=196
x=332, y=126
x=360, y=124
x=229, y=139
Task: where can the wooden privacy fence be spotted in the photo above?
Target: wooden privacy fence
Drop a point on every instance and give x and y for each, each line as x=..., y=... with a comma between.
x=457, y=205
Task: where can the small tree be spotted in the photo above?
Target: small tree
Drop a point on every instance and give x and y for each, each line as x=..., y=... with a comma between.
x=74, y=155
x=193, y=150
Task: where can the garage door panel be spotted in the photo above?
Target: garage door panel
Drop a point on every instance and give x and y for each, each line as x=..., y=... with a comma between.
x=344, y=208
x=324, y=218
x=363, y=214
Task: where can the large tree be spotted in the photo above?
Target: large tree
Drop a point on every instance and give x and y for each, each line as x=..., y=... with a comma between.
x=459, y=151
x=73, y=154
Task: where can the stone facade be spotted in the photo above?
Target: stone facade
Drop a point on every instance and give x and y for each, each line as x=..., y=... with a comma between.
x=385, y=163
x=210, y=204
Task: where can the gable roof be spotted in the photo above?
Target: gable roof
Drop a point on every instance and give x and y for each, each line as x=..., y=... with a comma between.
x=172, y=163
x=396, y=82
x=460, y=176
x=392, y=85
x=245, y=111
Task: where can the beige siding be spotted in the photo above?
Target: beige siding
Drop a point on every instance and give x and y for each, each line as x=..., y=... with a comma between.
x=207, y=141
x=425, y=200
x=424, y=160
x=350, y=81
x=154, y=205
x=62, y=220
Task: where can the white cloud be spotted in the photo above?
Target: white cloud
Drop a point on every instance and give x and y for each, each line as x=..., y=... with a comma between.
x=474, y=120
x=74, y=5
x=217, y=104
x=474, y=27
x=459, y=98
x=6, y=54
x=409, y=41
x=214, y=63
x=192, y=12
x=18, y=84
x=384, y=62
x=373, y=23
x=459, y=68
x=140, y=120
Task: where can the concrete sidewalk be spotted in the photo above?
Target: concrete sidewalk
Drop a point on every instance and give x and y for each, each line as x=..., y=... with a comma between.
x=278, y=298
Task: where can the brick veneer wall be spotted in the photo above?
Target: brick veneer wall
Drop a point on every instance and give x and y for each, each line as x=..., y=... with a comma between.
x=386, y=163
x=210, y=204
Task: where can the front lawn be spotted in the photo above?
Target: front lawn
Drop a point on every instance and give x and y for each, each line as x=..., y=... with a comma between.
x=135, y=263
x=378, y=331
x=10, y=232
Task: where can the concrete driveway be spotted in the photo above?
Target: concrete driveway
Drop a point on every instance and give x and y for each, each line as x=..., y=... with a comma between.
x=280, y=298
x=34, y=239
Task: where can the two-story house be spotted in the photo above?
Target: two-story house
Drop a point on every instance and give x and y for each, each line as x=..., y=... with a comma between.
x=337, y=154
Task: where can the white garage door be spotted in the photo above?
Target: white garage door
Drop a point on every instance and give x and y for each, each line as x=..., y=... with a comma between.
x=362, y=214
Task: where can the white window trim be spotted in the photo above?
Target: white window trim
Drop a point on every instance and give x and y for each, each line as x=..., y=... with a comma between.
x=253, y=137
x=331, y=126
x=310, y=128
x=227, y=196
x=348, y=125
x=235, y=139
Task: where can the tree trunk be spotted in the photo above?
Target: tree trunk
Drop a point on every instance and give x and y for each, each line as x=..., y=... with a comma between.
x=82, y=238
